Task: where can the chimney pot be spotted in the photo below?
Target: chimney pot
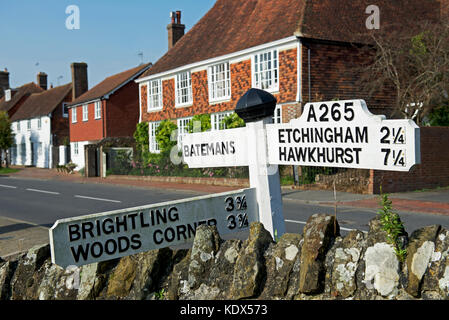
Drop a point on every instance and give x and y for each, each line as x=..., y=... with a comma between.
x=178, y=17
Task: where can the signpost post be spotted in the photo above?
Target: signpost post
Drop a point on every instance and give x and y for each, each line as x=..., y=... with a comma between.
x=247, y=147
x=331, y=134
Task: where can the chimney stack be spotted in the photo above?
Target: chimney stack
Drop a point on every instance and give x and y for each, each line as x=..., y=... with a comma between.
x=175, y=29
x=4, y=82
x=79, y=79
x=42, y=80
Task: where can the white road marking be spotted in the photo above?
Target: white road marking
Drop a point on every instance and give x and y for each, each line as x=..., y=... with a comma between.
x=5, y=186
x=43, y=191
x=303, y=222
x=99, y=199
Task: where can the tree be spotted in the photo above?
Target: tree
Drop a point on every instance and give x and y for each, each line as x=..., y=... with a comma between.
x=165, y=136
x=414, y=65
x=6, y=136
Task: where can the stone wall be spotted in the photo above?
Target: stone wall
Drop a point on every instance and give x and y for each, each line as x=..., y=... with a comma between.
x=319, y=264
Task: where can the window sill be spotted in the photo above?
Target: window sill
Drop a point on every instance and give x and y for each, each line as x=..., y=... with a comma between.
x=221, y=100
x=154, y=110
x=185, y=105
x=272, y=90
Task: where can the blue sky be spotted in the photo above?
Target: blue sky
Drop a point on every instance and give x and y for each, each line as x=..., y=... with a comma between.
x=34, y=36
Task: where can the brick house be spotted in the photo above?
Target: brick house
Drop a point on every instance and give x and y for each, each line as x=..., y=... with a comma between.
x=110, y=109
x=300, y=51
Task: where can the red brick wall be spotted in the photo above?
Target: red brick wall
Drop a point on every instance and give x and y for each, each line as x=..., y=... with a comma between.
x=335, y=70
x=59, y=124
x=431, y=173
x=119, y=116
x=240, y=83
x=122, y=111
x=90, y=130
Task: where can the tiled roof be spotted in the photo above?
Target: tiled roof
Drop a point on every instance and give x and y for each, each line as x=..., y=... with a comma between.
x=43, y=103
x=234, y=25
x=21, y=92
x=346, y=20
x=230, y=26
x=110, y=84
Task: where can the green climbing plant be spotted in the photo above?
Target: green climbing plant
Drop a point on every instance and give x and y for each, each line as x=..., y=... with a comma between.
x=392, y=225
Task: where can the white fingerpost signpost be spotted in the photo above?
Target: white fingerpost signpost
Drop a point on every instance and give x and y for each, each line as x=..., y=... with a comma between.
x=330, y=134
x=245, y=146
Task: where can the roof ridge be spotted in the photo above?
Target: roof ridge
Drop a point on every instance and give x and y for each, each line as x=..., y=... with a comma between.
x=299, y=32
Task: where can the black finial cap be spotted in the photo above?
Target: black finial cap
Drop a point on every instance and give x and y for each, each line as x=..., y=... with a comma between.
x=255, y=105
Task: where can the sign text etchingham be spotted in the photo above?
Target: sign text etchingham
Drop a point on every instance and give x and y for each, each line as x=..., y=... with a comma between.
x=344, y=134
x=104, y=236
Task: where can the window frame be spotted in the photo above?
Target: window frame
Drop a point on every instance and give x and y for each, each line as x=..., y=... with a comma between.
x=182, y=129
x=97, y=110
x=75, y=149
x=151, y=85
x=271, y=66
x=277, y=118
x=74, y=115
x=153, y=144
x=39, y=123
x=64, y=108
x=213, y=83
x=215, y=120
x=178, y=89
x=85, y=112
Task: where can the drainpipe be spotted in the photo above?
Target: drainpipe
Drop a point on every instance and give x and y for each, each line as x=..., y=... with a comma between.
x=310, y=82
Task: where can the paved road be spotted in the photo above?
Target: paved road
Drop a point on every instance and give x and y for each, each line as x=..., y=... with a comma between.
x=29, y=202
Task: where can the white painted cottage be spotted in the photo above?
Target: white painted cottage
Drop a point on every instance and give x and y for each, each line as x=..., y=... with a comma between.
x=40, y=123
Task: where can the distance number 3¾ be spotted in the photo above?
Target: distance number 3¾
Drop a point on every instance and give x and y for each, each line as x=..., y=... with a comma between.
x=236, y=206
